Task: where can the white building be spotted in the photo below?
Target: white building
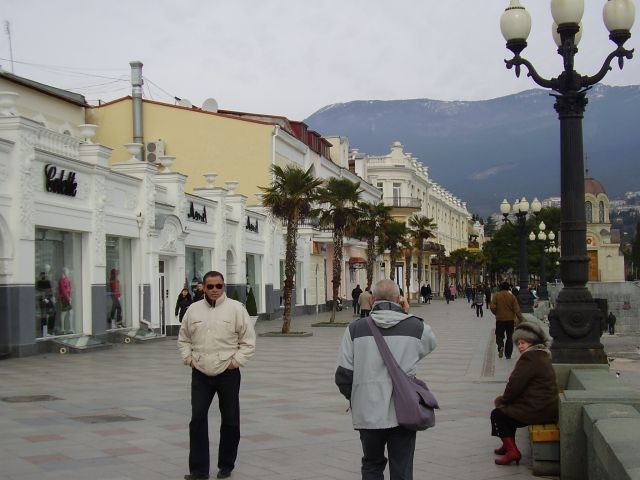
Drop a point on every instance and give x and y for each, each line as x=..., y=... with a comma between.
x=406, y=186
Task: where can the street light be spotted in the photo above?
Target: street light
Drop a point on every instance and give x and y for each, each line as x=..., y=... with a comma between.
x=575, y=323
x=542, y=237
x=520, y=210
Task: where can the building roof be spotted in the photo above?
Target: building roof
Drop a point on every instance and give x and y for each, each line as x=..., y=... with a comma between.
x=71, y=97
x=593, y=186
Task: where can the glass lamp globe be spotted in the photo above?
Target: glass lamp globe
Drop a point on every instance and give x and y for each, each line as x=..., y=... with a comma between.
x=515, y=22
x=619, y=15
x=567, y=11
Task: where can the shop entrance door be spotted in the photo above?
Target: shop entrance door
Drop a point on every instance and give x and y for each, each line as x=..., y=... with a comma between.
x=163, y=296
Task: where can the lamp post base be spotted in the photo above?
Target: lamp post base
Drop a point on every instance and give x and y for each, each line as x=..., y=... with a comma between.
x=576, y=327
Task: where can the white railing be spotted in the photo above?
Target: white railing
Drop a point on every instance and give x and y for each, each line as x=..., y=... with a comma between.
x=58, y=143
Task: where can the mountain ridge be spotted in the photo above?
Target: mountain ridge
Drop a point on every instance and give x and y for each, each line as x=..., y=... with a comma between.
x=485, y=150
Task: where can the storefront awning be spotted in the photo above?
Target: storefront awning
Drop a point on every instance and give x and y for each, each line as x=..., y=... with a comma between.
x=357, y=260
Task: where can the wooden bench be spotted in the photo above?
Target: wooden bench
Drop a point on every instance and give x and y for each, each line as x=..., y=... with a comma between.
x=545, y=449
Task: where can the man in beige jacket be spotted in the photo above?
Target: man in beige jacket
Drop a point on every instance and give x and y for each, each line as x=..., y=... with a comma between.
x=216, y=339
x=504, y=306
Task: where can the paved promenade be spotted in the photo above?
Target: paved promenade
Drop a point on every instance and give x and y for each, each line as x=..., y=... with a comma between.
x=294, y=421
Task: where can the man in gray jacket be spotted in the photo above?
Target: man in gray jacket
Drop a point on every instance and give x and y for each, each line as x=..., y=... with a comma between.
x=216, y=339
x=362, y=378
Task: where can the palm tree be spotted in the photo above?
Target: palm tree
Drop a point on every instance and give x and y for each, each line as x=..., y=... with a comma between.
x=339, y=199
x=392, y=237
x=372, y=220
x=422, y=229
x=289, y=198
x=408, y=247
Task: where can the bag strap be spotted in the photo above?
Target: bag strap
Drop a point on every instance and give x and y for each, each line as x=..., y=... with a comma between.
x=387, y=356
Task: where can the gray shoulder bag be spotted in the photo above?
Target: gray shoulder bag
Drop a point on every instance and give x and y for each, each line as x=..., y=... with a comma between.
x=413, y=401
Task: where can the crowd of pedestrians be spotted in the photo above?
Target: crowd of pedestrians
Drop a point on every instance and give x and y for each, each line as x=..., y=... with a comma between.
x=216, y=338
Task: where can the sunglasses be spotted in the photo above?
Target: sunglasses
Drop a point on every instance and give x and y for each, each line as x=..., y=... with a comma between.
x=211, y=286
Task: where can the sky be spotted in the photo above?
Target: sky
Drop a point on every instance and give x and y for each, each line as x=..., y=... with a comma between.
x=289, y=57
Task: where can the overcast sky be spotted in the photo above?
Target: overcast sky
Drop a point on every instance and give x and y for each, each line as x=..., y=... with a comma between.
x=289, y=57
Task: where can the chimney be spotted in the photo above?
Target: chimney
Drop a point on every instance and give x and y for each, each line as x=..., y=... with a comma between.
x=136, y=93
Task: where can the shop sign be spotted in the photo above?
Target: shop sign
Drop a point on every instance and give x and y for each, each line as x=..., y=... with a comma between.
x=196, y=215
x=57, y=183
x=250, y=226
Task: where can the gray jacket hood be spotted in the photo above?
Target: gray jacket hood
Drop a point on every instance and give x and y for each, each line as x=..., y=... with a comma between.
x=387, y=314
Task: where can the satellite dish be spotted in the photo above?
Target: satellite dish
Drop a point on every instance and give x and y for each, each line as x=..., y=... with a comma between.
x=210, y=105
x=184, y=103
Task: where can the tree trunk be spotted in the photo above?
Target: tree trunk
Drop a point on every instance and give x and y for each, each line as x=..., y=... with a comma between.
x=407, y=275
x=420, y=267
x=289, y=271
x=392, y=265
x=338, y=238
x=371, y=258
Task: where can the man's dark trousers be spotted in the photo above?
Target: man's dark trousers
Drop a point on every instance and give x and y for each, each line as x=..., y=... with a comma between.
x=400, y=444
x=203, y=389
x=501, y=329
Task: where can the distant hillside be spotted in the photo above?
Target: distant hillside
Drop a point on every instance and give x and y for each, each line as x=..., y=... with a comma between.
x=484, y=151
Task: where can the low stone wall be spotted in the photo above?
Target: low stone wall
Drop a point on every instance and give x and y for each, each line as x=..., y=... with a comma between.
x=592, y=404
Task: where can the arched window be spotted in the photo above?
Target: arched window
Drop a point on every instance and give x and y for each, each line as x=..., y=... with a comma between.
x=601, y=212
x=588, y=209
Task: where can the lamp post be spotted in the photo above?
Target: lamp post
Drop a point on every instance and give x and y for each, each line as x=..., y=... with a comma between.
x=520, y=210
x=542, y=237
x=575, y=323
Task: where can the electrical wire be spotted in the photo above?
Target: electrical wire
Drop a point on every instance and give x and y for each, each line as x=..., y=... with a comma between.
x=66, y=70
x=159, y=88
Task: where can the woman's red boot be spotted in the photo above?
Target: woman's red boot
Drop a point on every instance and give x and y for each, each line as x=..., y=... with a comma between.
x=512, y=454
x=500, y=451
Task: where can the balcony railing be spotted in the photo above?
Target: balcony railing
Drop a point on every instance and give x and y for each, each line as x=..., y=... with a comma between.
x=403, y=202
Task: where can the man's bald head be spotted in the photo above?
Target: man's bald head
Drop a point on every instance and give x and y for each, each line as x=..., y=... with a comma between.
x=386, y=290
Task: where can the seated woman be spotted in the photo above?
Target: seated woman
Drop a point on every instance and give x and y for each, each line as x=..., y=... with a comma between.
x=531, y=394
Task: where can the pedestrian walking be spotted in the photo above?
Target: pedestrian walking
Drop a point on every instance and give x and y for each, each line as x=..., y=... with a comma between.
x=365, y=301
x=468, y=292
x=183, y=303
x=611, y=323
x=199, y=293
x=363, y=379
x=478, y=301
x=355, y=294
x=423, y=292
x=429, y=293
x=531, y=394
x=453, y=292
x=487, y=295
x=216, y=339
x=505, y=307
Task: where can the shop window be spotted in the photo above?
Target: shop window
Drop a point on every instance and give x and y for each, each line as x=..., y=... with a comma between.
x=119, y=289
x=58, y=259
x=197, y=263
x=254, y=277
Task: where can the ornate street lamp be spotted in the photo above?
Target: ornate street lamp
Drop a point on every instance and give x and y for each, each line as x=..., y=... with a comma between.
x=575, y=323
x=520, y=210
x=542, y=237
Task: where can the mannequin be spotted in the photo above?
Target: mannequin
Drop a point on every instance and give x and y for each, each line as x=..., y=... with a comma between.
x=64, y=293
x=116, y=308
x=46, y=302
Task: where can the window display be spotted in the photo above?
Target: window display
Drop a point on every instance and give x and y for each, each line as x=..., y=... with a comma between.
x=118, y=282
x=58, y=282
x=197, y=262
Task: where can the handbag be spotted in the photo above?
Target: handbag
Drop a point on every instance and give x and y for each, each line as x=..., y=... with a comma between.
x=414, y=402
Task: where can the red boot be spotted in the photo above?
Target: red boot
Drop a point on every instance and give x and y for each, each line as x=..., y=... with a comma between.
x=500, y=451
x=512, y=454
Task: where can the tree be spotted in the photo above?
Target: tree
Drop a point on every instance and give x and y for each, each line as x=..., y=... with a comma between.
x=422, y=229
x=489, y=226
x=252, y=308
x=371, y=224
x=289, y=198
x=339, y=199
x=391, y=239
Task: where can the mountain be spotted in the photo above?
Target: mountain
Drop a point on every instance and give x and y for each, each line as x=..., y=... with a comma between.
x=484, y=151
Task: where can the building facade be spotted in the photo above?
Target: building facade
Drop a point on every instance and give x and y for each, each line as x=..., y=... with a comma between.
x=405, y=186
